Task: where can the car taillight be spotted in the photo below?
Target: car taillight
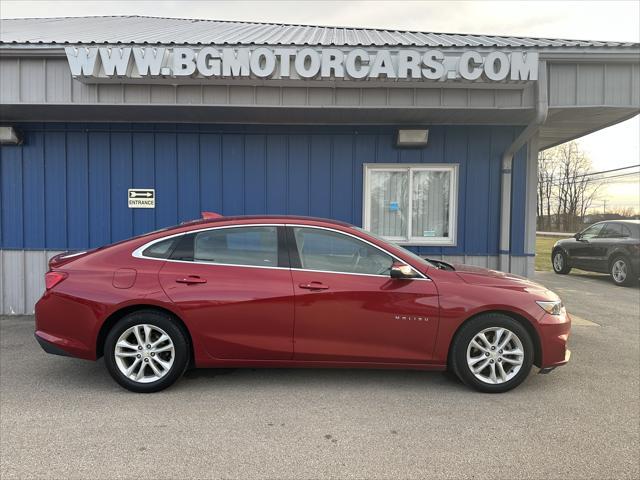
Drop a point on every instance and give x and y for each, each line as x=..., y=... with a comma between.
x=51, y=279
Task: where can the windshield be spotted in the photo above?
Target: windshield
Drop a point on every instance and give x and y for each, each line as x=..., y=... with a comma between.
x=418, y=259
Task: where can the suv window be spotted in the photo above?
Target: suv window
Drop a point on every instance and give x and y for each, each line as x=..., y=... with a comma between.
x=591, y=232
x=611, y=230
x=335, y=252
x=251, y=246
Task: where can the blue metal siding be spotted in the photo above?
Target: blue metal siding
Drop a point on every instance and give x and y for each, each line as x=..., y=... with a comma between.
x=66, y=186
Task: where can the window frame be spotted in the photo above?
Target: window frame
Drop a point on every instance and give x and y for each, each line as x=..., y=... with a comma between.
x=409, y=168
x=283, y=256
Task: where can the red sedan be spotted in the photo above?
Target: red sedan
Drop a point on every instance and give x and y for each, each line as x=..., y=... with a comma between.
x=292, y=292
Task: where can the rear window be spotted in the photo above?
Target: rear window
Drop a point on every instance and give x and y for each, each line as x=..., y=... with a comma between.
x=160, y=249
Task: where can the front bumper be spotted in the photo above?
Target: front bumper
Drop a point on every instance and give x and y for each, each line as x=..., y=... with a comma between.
x=554, y=333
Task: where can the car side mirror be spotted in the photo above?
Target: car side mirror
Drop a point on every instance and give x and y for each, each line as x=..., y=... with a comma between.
x=577, y=236
x=402, y=270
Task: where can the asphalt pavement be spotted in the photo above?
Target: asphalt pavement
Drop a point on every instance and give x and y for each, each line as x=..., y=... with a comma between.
x=66, y=418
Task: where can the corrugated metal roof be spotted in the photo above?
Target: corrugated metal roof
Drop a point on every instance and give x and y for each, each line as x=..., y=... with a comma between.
x=156, y=30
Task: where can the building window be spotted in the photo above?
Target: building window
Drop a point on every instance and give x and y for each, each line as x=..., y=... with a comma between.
x=411, y=204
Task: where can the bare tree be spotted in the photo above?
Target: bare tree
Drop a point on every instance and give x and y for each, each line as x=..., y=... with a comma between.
x=546, y=176
x=566, y=186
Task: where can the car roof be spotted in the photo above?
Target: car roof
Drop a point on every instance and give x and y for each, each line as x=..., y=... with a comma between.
x=265, y=219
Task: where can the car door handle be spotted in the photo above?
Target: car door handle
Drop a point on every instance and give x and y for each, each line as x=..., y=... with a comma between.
x=191, y=280
x=314, y=286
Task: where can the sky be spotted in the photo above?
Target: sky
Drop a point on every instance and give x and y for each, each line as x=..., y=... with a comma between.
x=614, y=147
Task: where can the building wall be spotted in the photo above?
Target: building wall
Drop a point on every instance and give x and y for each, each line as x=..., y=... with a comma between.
x=66, y=186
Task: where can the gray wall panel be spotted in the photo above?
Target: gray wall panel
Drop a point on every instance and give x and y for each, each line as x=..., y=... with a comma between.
x=294, y=96
x=429, y=97
x=216, y=94
x=9, y=80
x=562, y=84
x=13, y=275
x=322, y=96
x=242, y=95
x=165, y=94
x=83, y=93
x=402, y=96
x=58, y=82
x=508, y=98
x=32, y=75
x=111, y=94
x=35, y=268
x=268, y=96
x=455, y=97
x=374, y=96
x=189, y=94
x=347, y=97
x=590, y=84
x=618, y=84
x=137, y=93
x=482, y=98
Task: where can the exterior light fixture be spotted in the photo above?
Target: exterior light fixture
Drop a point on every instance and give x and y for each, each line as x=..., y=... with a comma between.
x=9, y=136
x=412, y=138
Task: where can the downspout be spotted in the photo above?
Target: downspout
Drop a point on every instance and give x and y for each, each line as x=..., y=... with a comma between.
x=542, y=108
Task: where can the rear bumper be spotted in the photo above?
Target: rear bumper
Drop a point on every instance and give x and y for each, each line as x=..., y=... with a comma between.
x=50, y=347
x=65, y=327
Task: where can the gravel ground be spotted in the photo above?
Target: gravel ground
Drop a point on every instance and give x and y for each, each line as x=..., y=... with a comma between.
x=66, y=418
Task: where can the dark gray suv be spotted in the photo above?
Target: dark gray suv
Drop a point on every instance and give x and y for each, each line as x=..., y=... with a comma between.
x=611, y=247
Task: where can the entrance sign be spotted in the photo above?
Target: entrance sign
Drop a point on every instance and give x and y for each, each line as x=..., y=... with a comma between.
x=141, y=198
x=303, y=64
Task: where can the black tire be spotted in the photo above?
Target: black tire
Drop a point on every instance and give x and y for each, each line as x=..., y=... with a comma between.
x=630, y=277
x=473, y=327
x=561, y=267
x=168, y=325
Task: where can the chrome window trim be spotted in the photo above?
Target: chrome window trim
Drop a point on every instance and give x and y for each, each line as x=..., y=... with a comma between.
x=137, y=253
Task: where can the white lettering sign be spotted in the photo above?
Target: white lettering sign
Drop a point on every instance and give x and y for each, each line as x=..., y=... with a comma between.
x=304, y=63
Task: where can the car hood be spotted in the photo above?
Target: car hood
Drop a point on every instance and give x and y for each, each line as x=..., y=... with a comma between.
x=494, y=278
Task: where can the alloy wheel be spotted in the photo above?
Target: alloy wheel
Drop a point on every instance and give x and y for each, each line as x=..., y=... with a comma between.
x=558, y=262
x=619, y=271
x=495, y=355
x=144, y=353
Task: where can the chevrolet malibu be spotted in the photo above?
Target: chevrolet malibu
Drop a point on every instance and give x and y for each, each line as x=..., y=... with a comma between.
x=292, y=292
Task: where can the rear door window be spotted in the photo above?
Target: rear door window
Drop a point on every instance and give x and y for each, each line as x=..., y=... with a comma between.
x=611, y=230
x=250, y=246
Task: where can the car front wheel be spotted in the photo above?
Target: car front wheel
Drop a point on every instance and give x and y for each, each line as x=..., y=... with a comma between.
x=560, y=263
x=492, y=353
x=146, y=351
x=621, y=272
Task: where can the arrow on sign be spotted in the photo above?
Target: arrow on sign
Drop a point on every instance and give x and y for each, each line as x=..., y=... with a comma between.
x=140, y=194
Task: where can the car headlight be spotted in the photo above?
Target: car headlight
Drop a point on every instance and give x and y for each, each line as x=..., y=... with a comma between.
x=553, y=307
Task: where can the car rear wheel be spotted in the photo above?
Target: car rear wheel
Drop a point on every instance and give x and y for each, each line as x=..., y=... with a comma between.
x=621, y=272
x=146, y=351
x=560, y=263
x=492, y=353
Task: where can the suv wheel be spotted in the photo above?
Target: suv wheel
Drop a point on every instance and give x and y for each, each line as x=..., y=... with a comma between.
x=560, y=263
x=146, y=351
x=492, y=353
x=621, y=272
